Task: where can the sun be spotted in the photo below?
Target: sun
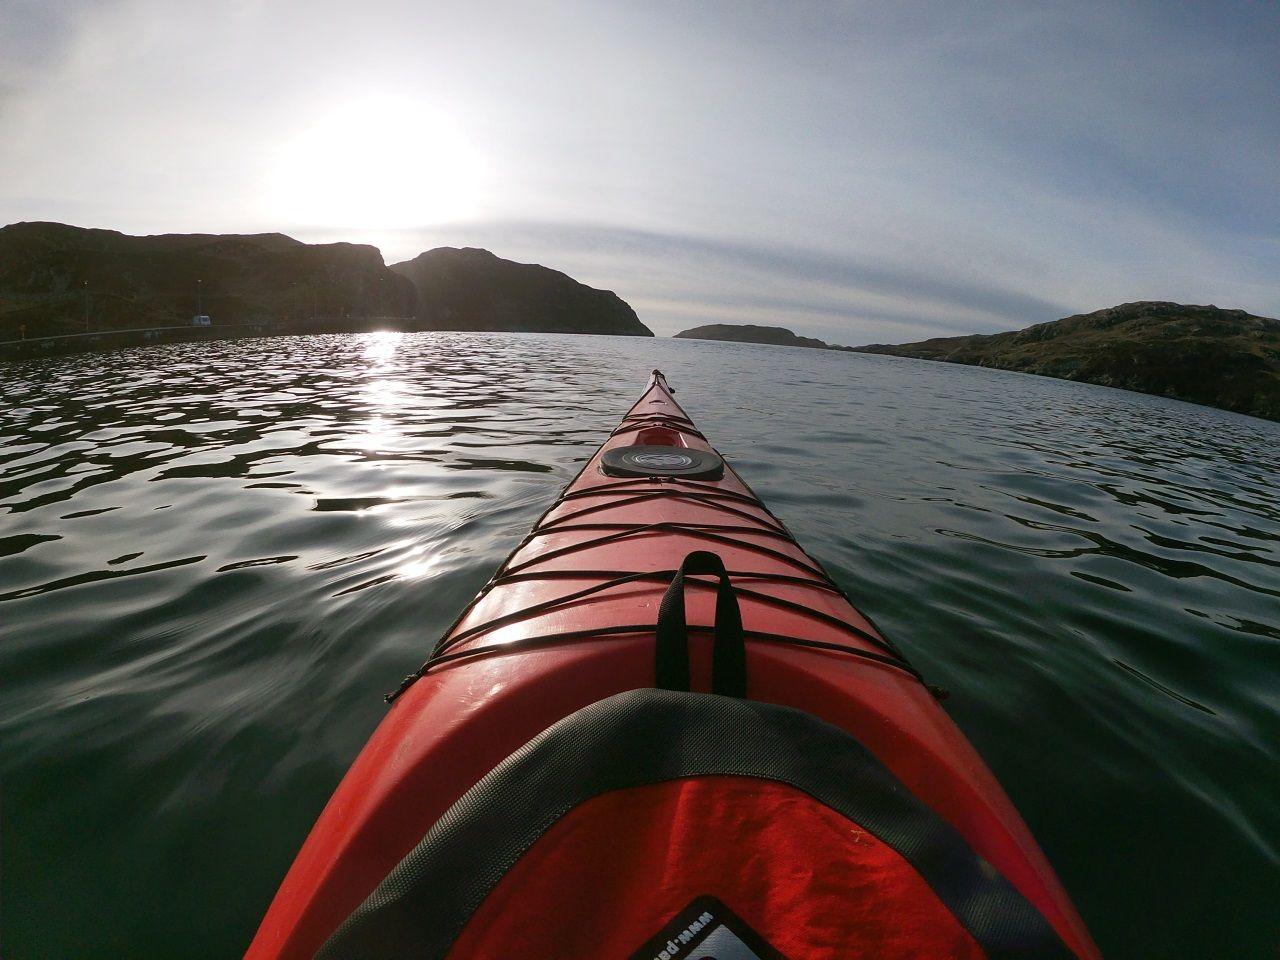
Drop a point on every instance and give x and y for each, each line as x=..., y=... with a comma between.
x=376, y=163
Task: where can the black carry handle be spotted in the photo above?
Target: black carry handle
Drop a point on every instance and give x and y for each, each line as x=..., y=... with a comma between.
x=671, y=654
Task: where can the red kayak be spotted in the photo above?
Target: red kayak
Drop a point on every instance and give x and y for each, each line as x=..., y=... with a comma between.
x=661, y=731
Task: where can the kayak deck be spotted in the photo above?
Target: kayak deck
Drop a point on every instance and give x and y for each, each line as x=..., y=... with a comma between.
x=602, y=547
x=569, y=619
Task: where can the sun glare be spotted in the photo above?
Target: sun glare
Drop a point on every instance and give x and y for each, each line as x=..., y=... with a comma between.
x=384, y=163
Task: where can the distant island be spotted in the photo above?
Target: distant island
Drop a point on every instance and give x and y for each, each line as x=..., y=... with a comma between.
x=750, y=333
x=57, y=279
x=1204, y=354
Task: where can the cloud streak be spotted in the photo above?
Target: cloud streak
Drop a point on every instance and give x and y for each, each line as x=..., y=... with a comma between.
x=688, y=279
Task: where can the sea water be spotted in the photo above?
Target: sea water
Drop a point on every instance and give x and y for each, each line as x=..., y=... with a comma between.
x=216, y=558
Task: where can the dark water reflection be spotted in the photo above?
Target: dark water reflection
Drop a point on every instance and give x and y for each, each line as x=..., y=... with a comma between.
x=214, y=559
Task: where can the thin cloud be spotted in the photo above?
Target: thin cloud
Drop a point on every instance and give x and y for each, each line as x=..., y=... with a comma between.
x=837, y=296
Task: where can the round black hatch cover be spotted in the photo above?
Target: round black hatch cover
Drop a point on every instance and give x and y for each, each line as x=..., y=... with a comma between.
x=651, y=461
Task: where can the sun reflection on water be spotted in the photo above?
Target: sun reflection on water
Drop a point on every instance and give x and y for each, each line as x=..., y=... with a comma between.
x=383, y=396
x=381, y=346
x=416, y=562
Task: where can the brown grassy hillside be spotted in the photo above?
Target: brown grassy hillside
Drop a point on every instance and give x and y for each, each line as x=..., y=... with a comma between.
x=1223, y=358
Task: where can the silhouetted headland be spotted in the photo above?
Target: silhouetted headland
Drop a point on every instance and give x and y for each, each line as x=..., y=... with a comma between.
x=58, y=280
x=471, y=289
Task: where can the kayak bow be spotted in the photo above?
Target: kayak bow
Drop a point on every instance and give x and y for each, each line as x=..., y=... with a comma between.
x=791, y=787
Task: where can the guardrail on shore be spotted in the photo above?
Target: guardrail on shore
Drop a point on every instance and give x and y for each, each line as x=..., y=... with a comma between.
x=114, y=339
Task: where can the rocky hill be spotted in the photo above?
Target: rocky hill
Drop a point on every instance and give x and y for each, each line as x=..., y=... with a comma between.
x=54, y=278
x=1223, y=358
x=57, y=279
x=471, y=289
x=750, y=333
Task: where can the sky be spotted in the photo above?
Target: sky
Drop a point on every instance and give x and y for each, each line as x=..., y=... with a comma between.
x=860, y=172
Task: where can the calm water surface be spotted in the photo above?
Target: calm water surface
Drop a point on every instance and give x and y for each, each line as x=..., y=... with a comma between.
x=215, y=559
